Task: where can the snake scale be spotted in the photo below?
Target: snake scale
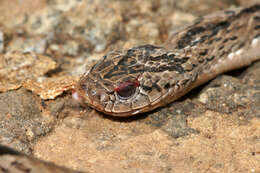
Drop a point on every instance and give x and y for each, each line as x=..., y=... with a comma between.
x=140, y=79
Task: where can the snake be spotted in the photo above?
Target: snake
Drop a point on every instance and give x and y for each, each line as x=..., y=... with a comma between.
x=140, y=79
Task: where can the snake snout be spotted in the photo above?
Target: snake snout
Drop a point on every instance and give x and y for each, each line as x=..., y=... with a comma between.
x=92, y=93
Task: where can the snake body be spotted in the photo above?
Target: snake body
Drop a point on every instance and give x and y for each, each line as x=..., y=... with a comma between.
x=140, y=79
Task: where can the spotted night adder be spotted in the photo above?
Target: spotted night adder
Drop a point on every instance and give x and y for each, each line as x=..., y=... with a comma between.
x=145, y=77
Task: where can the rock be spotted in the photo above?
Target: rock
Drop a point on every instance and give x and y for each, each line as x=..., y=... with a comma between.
x=14, y=162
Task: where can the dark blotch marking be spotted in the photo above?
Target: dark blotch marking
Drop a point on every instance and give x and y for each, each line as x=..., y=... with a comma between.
x=171, y=63
x=204, y=52
x=182, y=60
x=103, y=65
x=189, y=36
x=257, y=27
x=140, y=57
x=222, y=54
x=130, y=52
x=210, y=58
x=257, y=18
x=211, y=41
x=219, y=26
x=194, y=31
x=201, y=60
x=241, y=45
x=194, y=65
x=171, y=55
x=156, y=58
x=149, y=89
x=113, y=73
x=138, y=68
x=157, y=87
x=146, y=88
x=218, y=39
x=150, y=62
x=167, y=86
x=229, y=12
x=133, y=62
x=251, y=9
x=97, y=65
x=233, y=38
x=221, y=47
x=225, y=40
x=184, y=82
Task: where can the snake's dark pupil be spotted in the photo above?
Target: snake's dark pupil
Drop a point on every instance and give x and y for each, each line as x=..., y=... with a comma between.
x=126, y=89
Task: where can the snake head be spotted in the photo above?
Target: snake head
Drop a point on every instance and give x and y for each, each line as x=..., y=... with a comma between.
x=132, y=81
x=108, y=97
x=112, y=85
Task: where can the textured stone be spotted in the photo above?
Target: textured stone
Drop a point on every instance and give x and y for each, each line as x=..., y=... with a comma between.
x=16, y=67
x=49, y=88
x=13, y=161
x=21, y=121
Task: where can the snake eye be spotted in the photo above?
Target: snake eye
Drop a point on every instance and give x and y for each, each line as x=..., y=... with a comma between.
x=126, y=89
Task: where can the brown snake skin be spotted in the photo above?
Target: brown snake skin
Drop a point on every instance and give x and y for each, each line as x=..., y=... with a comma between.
x=145, y=77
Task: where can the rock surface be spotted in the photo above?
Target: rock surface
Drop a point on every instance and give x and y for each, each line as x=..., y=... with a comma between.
x=15, y=162
x=214, y=128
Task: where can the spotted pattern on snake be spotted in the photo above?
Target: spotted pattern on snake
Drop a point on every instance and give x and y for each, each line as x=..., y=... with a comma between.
x=140, y=79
